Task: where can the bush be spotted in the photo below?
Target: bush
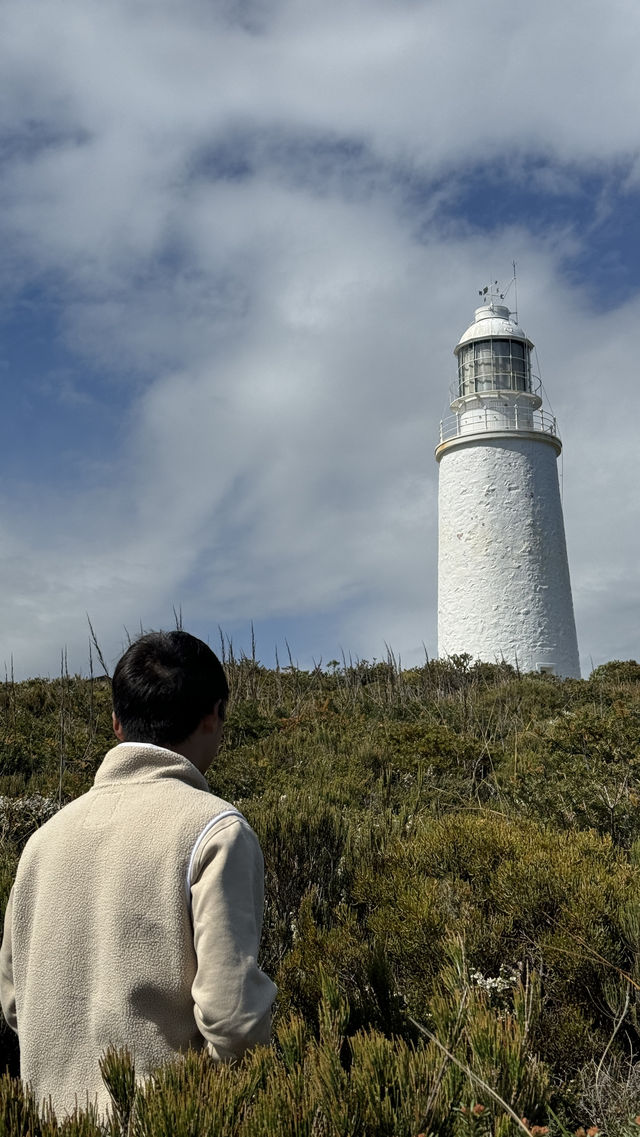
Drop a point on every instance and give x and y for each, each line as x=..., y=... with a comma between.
x=452, y=860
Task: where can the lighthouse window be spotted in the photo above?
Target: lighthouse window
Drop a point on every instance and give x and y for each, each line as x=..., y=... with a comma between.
x=519, y=369
x=475, y=367
x=502, y=364
x=489, y=365
x=484, y=366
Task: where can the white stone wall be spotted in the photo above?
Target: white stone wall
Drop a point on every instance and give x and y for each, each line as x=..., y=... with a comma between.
x=496, y=414
x=503, y=578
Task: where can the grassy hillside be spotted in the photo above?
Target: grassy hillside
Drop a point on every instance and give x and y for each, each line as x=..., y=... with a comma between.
x=453, y=904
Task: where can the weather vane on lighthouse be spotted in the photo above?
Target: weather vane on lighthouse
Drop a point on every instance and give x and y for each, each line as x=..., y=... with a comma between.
x=504, y=591
x=490, y=292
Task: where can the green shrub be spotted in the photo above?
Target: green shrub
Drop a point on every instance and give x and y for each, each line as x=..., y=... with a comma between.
x=434, y=840
x=617, y=671
x=303, y=840
x=364, y=1085
x=518, y=892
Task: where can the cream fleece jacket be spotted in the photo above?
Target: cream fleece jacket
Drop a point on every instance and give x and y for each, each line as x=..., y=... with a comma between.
x=134, y=920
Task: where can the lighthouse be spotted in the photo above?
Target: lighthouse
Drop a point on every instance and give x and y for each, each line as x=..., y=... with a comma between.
x=504, y=591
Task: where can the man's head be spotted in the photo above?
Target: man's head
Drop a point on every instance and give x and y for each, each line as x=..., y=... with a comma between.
x=165, y=686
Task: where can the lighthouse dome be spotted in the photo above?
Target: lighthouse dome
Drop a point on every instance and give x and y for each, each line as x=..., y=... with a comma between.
x=492, y=321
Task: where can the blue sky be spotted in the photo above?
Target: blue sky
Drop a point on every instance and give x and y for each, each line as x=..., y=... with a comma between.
x=239, y=243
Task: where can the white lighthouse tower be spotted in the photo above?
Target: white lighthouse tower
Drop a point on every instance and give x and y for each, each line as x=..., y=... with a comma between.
x=503, y=578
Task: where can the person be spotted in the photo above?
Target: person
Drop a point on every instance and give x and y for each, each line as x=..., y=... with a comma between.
x=136, y=912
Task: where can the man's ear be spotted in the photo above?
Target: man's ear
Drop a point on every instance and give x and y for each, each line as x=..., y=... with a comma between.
x=211, y=721
x=117, y=727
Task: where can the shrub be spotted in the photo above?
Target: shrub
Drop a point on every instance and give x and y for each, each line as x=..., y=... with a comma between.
x=617, y=671
x=452, y=849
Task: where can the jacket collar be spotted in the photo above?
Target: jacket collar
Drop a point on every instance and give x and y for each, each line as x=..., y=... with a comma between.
x=143, y=762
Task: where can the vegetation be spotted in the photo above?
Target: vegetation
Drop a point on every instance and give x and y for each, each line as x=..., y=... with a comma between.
x=453, y=899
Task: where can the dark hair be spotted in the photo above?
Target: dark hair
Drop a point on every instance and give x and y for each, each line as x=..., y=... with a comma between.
x=164, y=685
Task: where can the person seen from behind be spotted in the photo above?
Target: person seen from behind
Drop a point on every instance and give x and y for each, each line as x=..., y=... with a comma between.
x=136, y=913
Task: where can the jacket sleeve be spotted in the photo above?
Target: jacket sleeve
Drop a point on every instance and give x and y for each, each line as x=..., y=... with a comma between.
x=7, y=988
x=232, y=997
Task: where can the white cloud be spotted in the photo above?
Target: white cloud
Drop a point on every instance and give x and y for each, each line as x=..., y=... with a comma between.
x=222, y=209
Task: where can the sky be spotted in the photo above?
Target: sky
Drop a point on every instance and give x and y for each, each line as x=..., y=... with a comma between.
x=238, y=244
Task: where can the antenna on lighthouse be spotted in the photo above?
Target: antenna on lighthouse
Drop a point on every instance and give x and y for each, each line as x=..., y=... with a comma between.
x=513, y=283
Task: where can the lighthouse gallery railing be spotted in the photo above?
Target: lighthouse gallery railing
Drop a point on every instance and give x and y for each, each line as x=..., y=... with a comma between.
x=512, y=418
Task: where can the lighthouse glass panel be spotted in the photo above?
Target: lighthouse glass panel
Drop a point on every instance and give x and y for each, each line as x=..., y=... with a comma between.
x=489, y=365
